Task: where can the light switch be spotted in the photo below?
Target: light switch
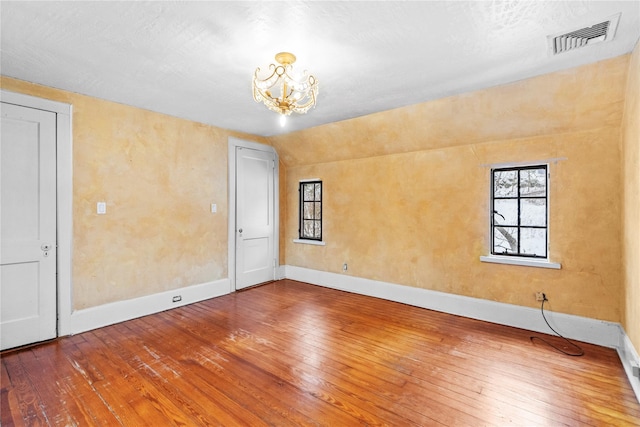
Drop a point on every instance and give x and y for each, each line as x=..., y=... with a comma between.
x=102, y=208
x=214, y=208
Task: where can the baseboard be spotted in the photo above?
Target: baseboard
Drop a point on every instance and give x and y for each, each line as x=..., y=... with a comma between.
x=629, y=358
x=607, y=334
x=584, y=329
x=574, y=327
x=109, y=314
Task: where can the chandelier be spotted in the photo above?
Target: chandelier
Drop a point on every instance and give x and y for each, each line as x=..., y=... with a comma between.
x=283, y=91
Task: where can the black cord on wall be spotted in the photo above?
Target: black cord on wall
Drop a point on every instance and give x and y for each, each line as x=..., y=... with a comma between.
x=580, y=351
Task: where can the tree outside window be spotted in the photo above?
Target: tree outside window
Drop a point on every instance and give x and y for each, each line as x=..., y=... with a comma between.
x=310, y=226
x=519, y=211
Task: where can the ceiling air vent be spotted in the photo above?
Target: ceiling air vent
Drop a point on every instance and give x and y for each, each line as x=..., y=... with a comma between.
x=596, y=33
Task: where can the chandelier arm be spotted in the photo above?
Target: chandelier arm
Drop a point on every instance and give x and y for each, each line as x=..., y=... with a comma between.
x=265, y=83
x=295, y=95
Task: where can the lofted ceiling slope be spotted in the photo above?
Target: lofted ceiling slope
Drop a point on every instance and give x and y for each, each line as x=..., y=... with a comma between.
x=195, y=60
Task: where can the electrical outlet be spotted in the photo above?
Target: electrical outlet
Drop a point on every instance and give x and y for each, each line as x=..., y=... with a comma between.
x=539, y=296
x=177, y=298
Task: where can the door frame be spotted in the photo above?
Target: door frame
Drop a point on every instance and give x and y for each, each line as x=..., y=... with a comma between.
x=234, y=143
x=64, y=197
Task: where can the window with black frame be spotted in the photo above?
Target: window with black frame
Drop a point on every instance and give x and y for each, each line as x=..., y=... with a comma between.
x=310, y=227
x=519, y=211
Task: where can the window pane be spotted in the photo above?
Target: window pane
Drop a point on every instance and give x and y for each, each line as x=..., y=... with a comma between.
x=505, y=212
x=533, y=212
x=308, y=210
x=533, y=182
x=307, y=230
x=505, y=240
x=505, y=183
x=308, y=192
x=533, y=241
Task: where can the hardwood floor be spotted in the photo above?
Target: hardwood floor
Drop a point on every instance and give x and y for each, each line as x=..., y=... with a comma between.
x=288, y=353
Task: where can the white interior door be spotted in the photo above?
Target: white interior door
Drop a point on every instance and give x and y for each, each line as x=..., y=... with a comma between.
x=28, y=226
x=255, y=217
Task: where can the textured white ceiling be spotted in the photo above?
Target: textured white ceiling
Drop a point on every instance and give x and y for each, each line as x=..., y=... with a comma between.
x=195, y=60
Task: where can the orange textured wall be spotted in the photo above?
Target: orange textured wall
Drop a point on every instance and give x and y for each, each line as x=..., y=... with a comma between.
x=158, y=175
x=631, y=212
x=407, y=191
x=580, y=98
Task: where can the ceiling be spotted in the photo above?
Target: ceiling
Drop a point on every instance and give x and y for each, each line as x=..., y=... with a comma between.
x=195, y=60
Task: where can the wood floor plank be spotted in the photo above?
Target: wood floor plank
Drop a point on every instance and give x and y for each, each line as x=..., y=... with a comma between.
x=111, y=382
x=119, y=367
x=387, y=387
x=276, y=387
x=525, y=338
x=290, y=354
x=463, y=405
x=205, y=396
x=24, y=402
x=58, y=400
x=241, y=378
x=495, y=356
x=460, y=388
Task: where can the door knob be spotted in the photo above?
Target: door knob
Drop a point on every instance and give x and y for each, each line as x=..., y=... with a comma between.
x=45, y=247
x=240, y=231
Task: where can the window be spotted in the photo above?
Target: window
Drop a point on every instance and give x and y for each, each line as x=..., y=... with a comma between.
x=310, y=227
x=519, y=211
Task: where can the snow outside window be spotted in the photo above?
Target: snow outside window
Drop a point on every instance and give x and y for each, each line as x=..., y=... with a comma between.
x=310, y=227
x=519, y=211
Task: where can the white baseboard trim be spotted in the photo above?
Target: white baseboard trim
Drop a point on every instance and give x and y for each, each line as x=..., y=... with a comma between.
x=575, y=327
x=599, y=332
x=109, y=314
x=593, y=331
x=629, y=357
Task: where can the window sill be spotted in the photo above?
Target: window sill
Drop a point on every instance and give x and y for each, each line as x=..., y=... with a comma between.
x=520, y=261
x=309, y=242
